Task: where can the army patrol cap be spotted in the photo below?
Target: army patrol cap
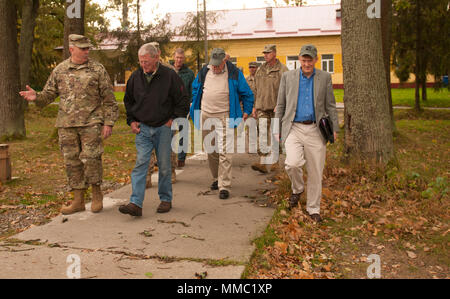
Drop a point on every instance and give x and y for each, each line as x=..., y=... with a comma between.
x=253, y=64
x=309, y=50
x=217, y=56
x=269, y=48
x=79, y=41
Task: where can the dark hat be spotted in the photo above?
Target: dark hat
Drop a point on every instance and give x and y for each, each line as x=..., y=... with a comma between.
x=309, y=50
x=79, y=41
x=269, y=48
x=217, y=56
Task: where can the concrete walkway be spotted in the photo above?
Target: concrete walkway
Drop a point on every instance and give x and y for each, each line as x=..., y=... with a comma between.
x=201, y=233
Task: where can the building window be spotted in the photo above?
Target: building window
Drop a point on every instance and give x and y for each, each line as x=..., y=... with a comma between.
x=260, y=59
x=328, y=63
x=292, y=62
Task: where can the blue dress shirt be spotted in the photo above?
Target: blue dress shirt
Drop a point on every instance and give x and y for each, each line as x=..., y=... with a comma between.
x=305, y=102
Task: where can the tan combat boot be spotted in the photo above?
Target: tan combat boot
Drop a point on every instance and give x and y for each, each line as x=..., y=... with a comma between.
x=77, y=203
x=97, y=199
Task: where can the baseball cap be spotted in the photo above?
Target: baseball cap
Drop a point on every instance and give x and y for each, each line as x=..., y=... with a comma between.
x=217, y=56
x=309, y=50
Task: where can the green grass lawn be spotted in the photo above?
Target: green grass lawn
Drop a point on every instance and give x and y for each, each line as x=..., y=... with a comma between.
x=405, y=97
x=400, y=97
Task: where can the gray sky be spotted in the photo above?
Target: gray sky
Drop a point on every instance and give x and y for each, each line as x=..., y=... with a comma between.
x=153, y=9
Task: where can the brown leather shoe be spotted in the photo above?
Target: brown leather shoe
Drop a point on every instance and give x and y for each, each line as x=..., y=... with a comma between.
x=164, y=207
x=259, y=167
x=131, y=209
x=316, y=218
x=293, y=200
x=275, y=167
x=181, y=164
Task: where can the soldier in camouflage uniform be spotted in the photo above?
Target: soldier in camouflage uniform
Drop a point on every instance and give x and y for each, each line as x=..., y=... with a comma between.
x=87, y=112
x=267, y=83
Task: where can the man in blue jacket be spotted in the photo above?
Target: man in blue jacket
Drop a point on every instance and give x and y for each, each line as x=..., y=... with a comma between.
x=216, y=92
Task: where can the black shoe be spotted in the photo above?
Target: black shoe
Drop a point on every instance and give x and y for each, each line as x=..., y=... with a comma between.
x=293, y=200
x=224, y=194
x=316, y=218
x=215, y=185
x=131, y=209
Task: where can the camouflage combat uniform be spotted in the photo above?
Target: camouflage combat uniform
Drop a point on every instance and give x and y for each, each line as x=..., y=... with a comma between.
x=87, y=103
x=267, y=83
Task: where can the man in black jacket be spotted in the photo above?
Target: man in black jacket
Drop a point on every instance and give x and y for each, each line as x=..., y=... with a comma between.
x=154, y=97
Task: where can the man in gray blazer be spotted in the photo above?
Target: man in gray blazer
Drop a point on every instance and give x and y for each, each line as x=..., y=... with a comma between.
x=304, y=97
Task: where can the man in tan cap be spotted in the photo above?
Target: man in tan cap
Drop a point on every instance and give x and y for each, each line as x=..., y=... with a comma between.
x=267, y=82
x=87, y=112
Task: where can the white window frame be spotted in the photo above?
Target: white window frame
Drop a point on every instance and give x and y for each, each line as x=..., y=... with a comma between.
x=292, y=62
x=328, y=59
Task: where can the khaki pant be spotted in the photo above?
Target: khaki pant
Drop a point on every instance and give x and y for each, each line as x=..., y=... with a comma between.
x=268, y=115
x=220, y=160
x=305, y=145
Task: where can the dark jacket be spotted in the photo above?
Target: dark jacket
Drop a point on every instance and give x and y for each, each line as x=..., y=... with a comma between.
x=239, y=92
x=156, y=102
x=187, y=76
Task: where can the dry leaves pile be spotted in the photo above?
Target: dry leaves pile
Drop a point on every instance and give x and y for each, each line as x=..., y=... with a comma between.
x=362, y=216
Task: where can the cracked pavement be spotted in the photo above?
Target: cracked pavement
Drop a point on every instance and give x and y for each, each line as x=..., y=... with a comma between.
x=201, y=233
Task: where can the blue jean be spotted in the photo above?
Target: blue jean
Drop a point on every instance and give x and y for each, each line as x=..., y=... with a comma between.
x=149, y=138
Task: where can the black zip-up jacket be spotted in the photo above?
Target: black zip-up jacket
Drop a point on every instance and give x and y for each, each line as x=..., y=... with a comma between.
x=156, y=102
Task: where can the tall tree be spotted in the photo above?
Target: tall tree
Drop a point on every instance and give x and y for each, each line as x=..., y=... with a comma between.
x=193, y=31
x=73, y=21
x=29, y=14
x=368, y=126
x=12, y=124
x=420, y=45
x=386, y=27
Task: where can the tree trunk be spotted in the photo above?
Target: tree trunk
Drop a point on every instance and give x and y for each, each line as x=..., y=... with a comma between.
x=424, y=89
x=12, y=123
x=29, y=14
x=125, y=23
x=73, y=25
x=138, y=13
x=386, y=27
x=418, y=67
x=368, y=125
x=417, y=92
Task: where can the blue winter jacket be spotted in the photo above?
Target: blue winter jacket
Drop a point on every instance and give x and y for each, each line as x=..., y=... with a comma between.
x=239, y=91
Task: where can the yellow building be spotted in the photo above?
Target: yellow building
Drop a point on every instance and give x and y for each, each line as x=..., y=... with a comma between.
x=244, y=33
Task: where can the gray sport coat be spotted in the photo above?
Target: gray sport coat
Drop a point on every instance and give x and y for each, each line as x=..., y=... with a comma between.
x=324, y=102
